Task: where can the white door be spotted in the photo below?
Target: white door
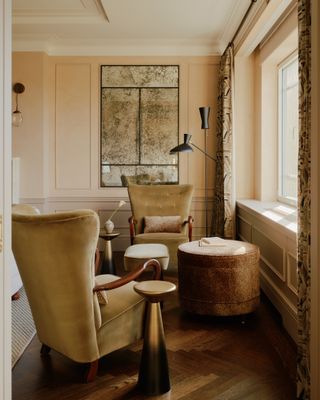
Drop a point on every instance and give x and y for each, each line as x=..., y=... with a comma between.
x=5, y=199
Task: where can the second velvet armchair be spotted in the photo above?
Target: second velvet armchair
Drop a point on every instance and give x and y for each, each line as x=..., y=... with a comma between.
x=161, y=214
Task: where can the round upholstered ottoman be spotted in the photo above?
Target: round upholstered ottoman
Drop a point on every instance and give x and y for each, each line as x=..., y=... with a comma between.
x=137, y=254
x=219, y=280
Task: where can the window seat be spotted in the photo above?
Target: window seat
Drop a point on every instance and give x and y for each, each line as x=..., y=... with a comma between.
x=281, y=216
x=272, y=226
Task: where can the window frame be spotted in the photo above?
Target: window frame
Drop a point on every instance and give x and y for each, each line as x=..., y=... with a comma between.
x=284, y=63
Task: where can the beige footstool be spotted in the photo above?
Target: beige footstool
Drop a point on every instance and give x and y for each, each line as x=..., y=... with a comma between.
x=137, y=254
x=222, y=280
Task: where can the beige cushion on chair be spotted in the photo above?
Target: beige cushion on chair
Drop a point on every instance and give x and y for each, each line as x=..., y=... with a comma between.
x=137, y=254
x=157, y=224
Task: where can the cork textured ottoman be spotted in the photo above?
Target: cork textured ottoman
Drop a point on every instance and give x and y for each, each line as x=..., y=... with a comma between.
x=219, y=280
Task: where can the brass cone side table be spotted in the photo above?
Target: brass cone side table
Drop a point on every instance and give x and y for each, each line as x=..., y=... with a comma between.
x=154, y=371
x=108, y=264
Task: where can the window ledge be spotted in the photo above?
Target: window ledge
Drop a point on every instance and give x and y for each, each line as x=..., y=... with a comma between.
x=282, y=216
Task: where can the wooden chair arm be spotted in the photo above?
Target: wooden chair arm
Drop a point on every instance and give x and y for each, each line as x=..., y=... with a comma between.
x=132, y=223
x=132, y=276
x=189, y=222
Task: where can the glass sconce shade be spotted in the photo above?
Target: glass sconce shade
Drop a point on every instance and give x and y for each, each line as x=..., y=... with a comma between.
x=204, y=113
x=17, y=118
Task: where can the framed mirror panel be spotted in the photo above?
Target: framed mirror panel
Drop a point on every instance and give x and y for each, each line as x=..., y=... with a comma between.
x=139, y=124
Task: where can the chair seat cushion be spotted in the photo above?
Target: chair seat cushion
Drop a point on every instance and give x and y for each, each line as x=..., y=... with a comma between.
x=122, y=318
x=120, y=300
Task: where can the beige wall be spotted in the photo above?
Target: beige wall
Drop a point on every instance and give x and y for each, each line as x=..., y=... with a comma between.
x=28, y=141
x=244, y=123
x=58, y=143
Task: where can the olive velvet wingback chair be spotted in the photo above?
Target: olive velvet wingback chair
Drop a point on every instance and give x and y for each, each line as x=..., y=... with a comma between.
x=76, y=313
x=148, y=203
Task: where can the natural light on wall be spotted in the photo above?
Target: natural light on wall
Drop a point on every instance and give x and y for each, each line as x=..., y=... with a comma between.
x=288, y=131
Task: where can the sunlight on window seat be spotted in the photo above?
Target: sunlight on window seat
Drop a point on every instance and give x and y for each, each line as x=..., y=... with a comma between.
x=276, y=212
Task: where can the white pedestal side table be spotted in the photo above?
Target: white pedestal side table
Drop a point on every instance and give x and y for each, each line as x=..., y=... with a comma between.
x=154, y=372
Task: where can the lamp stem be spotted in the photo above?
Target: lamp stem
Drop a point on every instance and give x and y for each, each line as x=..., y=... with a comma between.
x=17, y=102
x=208, y=155
x=206, y=180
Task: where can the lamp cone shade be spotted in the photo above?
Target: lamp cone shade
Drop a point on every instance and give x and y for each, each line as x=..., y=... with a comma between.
x=183, y=147
x=204, y=113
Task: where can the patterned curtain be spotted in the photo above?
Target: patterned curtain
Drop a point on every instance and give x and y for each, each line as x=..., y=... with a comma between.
x=304, y=212
x=223, y=204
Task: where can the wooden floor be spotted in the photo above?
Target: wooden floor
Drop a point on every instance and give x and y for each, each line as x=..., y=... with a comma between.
x=209, y=358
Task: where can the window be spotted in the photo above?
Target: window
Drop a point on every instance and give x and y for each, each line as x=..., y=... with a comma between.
x=288, y=131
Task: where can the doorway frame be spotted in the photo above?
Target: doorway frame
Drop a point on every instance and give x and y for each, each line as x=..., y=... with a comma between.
x=5, y=198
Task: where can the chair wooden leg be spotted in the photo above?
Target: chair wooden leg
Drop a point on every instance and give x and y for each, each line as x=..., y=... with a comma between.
x=45, y=350
x=92, y=371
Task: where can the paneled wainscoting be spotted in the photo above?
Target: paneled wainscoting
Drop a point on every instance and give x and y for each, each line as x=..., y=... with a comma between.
x=104, y=207
x=272, y=228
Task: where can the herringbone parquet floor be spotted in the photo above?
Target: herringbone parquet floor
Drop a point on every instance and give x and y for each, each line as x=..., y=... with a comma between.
x=209, y=358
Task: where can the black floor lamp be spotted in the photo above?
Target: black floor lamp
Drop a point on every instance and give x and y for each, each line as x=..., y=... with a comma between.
x=186, y=146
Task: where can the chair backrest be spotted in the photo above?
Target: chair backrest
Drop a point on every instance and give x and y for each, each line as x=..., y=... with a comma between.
x=160, y=200
x=55, y=257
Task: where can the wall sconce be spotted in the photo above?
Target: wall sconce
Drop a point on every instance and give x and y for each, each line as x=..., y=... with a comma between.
x=18, y=88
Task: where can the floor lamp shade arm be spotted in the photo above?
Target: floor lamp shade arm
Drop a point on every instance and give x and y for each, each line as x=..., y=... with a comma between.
x=186, y=147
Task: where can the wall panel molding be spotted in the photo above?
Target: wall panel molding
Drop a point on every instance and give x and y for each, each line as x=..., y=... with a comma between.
x=287, y=310
x=104, y=207
x=271, y=253
x=73, y=126
x=244, y=229
x=291, y=263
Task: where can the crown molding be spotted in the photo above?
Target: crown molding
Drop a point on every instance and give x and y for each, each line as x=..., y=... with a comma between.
x=263, y=16
x=233, y=22
x=148, y=47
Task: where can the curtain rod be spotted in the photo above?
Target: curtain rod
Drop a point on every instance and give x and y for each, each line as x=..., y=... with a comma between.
x=241, y=23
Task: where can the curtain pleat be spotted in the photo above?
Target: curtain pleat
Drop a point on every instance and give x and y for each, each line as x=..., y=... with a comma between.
x=304, y=199
x=223, y=203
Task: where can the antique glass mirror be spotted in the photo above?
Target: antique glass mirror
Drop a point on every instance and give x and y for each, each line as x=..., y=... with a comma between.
x=139, y=124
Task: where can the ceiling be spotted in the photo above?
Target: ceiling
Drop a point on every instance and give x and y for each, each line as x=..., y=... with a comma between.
x=126, y=27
